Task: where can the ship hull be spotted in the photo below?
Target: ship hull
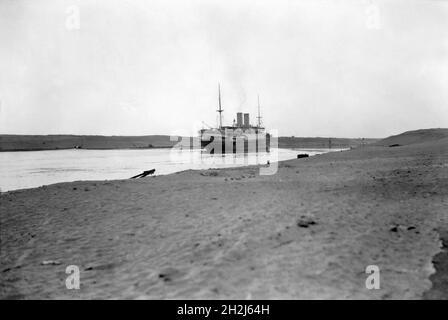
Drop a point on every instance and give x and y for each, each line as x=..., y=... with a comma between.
x=216, y=144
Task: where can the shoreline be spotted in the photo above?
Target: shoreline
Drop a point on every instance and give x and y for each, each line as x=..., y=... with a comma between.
x=291, y=147
x=307, y=232
x=236, y=166
x=126, y=179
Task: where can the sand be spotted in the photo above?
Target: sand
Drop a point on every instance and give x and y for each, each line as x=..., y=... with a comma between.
x=307, y=232
x=415, y=137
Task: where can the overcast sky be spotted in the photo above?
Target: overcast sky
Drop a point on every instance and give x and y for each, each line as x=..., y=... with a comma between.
x=322, y=68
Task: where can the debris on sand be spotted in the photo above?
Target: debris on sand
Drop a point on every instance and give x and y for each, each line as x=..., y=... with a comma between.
x=305, y=222
x=394, y=145
x=302, y=155
x=398, y=227
x=210, y=173
x=170, y=274
x=144, y=174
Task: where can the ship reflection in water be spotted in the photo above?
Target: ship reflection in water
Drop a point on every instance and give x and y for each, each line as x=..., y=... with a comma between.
x=198, y=159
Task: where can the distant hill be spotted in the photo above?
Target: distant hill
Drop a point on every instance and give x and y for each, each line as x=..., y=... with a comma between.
x=54, y=142
x=319, y=142
x=413, y=137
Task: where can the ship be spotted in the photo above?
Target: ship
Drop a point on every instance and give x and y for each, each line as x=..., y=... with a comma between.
x=240, y=137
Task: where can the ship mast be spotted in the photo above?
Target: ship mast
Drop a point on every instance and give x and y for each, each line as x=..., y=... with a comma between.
x=259, y=117
x=220, y=110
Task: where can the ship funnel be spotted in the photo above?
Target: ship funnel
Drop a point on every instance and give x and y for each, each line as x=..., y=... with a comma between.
x=239, y=119
x=246, y=120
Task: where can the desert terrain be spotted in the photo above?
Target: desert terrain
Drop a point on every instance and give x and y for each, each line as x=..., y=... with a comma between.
x=56, y=142
x=307, y=232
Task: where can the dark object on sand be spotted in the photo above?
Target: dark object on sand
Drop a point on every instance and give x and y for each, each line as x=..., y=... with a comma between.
x=210, y=173
x=394, y=229
x=395, y=145
x=144, y=174
x=302, y=155
x=305, y=222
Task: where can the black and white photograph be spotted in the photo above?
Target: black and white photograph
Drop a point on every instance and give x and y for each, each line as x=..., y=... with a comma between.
x=238, y=150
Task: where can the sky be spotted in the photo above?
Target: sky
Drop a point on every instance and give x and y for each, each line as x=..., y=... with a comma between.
x=339, y=68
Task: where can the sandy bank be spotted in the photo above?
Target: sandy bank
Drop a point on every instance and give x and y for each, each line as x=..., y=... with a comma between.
x=308, y=231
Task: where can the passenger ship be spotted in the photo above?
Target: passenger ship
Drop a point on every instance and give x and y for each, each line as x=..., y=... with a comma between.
x=240, y=137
